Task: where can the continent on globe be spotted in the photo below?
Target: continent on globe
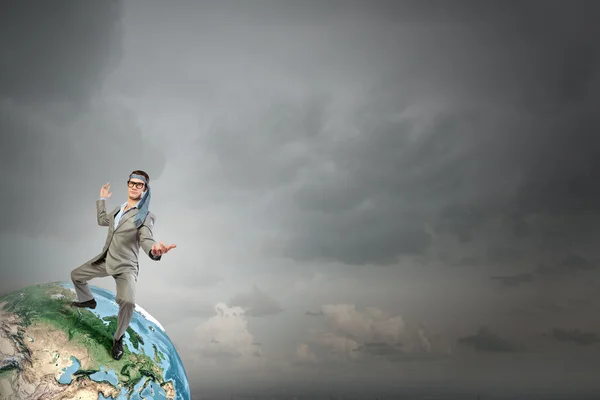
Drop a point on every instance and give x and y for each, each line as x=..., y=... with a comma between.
x=50, y=350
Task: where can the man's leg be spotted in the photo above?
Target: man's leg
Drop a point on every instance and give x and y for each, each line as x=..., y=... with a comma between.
x=126, y=300
x=126, y=283
x=82, y=274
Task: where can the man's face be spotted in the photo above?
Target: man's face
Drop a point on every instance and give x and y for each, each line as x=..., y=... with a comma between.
x=135, y=187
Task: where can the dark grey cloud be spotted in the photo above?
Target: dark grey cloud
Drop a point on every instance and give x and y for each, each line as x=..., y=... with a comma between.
x=577, y=262
x=569, y=266
x=514, y=280
x=59, y=52
x=503, y=254
x=314, y=313
x=462, y=261
x=394, y=352
x=60, y=141
x=557, y=306
x=256, y=303
x=552, y=307
x=479, y=122
x=569, y=305
x=487, y=341
x=380, y=348
x=580, y=303
x=574, y=336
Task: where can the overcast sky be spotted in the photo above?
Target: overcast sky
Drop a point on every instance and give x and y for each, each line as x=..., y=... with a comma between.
x=360, y=192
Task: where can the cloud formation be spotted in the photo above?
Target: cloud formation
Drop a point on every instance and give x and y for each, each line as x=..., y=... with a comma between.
x=256, y=303
x=224, y=341
x=514, y=280
x=575, y=336
x=487, y=341
x=351, y=334
x=465, y=135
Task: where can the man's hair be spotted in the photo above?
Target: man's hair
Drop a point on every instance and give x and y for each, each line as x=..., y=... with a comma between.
x=140, y=172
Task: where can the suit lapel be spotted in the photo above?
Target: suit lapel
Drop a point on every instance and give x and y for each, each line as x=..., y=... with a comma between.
x=112, y=216
x=125, y=217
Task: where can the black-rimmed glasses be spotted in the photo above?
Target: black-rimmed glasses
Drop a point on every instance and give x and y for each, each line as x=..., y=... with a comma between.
x=138, y=185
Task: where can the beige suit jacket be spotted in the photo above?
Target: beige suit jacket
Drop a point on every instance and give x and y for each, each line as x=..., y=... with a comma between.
x=123, y=242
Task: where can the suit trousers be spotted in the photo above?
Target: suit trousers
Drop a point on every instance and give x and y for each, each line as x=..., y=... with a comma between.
x=126, y=284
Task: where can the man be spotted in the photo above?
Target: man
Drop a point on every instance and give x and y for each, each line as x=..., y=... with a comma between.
x=129, y=226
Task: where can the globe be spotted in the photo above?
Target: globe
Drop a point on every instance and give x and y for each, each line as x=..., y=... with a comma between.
x=50, y=350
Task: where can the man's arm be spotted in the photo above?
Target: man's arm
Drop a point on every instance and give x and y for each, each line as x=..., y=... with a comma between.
x=103, y=219
x=146, y=237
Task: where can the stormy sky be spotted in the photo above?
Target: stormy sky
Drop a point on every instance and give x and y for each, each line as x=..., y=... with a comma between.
x=361, y=193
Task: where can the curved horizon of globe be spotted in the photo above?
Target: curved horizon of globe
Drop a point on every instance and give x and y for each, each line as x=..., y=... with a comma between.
x=39, y=316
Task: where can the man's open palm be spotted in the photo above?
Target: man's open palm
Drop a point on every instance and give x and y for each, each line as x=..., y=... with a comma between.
x=158, y=249
x=104, y=191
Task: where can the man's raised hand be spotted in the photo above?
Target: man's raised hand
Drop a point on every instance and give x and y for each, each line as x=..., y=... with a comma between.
x=104, y=191
x=158, y=249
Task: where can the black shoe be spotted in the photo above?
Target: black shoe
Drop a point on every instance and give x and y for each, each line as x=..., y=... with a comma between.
x=86, y=304
x=117, y=348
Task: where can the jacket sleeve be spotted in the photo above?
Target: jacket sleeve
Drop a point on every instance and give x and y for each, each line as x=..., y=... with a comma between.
x=103, y=219
x=146, y=237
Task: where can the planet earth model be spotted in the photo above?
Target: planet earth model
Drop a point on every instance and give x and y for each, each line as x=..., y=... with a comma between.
x=50, y=350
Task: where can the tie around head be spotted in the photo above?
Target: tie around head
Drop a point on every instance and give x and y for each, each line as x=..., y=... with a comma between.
x=144, y=203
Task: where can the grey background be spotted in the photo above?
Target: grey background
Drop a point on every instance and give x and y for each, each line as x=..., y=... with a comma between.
x=361, y=193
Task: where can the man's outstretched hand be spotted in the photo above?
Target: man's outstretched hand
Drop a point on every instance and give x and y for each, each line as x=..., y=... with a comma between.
x=104, y=191
x=158, y=249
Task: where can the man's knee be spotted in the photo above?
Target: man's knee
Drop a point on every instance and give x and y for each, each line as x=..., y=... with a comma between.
x=126, y=303
x=86, y=272
x=76, y=275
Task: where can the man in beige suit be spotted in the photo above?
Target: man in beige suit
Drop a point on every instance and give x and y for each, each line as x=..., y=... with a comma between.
x=129, y=226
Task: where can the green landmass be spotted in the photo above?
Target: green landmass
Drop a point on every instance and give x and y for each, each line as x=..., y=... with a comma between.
x=50, y=304
x=8, y=368
x=134, y=337
x=8, y=374
x=158, y=355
